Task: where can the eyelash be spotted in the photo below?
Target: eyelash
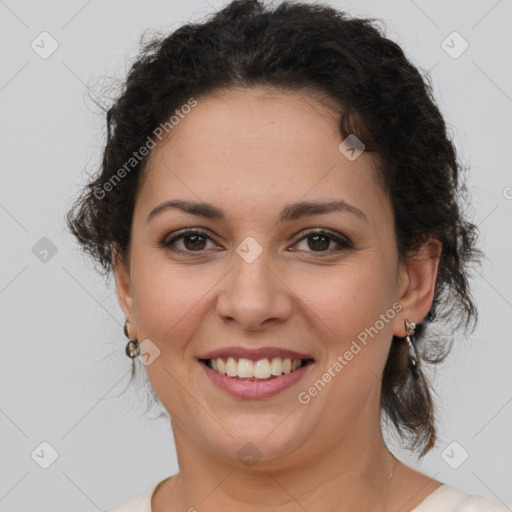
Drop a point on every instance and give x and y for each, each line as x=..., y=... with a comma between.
x=343, y=243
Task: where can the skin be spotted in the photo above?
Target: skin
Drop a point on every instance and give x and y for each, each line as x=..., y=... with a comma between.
x=252, y=152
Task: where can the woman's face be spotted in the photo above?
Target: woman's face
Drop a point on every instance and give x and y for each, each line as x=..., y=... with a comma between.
x=257, y=277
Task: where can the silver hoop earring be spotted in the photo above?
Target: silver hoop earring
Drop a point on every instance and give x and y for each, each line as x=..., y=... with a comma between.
x=413, y=353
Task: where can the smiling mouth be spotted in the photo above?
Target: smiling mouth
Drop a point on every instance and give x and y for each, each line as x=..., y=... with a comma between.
x=255, y=371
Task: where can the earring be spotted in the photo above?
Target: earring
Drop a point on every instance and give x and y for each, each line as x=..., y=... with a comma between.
x=413, y=353
x=132, y=347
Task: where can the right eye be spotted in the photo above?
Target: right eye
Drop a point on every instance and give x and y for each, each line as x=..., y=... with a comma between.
x=194, y=240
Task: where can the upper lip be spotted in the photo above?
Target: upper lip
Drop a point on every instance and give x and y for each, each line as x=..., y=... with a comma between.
x=254, y=354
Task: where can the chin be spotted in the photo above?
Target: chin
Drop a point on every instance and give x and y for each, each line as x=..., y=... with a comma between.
x=255, y=449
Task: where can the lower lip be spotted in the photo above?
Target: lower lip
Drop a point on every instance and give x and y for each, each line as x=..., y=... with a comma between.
x=255, y=390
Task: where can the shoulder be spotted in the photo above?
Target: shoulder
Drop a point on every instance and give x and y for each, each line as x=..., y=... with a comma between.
x=140, y=503
x=451, y=499
x=482, y=504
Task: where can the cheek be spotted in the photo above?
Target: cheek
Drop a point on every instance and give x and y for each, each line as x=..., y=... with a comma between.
x=352, y=299
x=356, y=311
x=165, y=301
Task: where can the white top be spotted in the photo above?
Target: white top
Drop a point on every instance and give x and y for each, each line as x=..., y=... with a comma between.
x=444, y=499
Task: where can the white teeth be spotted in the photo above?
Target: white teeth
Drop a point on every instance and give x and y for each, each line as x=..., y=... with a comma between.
x=261, y=369
x=276, y=366
x=231, y=367
x=245, y=368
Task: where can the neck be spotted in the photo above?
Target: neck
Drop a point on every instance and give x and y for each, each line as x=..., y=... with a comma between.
x=354, y=473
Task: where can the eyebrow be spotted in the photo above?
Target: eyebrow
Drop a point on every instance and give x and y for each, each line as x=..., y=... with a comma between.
x=289, y=213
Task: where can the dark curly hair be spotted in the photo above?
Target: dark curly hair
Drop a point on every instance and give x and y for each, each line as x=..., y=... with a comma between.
x=381, y=97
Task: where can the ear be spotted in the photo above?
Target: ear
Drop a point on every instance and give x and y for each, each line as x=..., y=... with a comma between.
x=417, y=280
x=123, y=284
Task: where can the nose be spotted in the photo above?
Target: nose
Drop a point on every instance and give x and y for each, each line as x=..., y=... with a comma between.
x=254, y=295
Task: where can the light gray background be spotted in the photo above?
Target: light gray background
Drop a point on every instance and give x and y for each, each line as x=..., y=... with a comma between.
x=63, y=361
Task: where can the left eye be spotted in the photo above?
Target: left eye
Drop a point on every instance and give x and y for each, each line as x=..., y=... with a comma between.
x=319, y=241
x=195, y=240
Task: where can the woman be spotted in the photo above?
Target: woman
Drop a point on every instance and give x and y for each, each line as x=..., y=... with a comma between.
x=280, y=206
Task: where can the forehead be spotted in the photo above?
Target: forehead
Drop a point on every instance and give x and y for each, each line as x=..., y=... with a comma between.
x=258, y=146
